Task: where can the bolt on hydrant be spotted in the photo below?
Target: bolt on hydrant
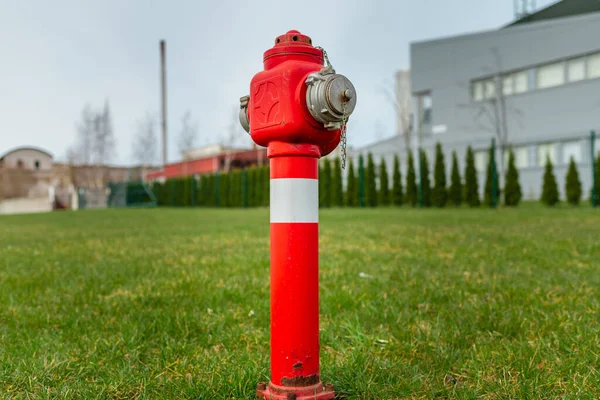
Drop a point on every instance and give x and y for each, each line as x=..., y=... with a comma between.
x=297, y=108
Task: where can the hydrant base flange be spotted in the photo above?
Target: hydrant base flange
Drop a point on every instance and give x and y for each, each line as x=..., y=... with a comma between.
x=313, y=392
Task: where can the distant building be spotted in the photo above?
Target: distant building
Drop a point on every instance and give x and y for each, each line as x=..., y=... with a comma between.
x=210, y=159
x=25, y=172
x=535, y=81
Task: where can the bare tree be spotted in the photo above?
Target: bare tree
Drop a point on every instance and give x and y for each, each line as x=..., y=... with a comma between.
x=188, y=134
x=379, y=130
x=491, y=113
x=104, y=141
x=232, y=136
x=144, y=146
x=400, y=100
x=82, y=151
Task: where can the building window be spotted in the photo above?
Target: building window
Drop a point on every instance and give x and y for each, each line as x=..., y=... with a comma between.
x=546, y=150
x=425, y=104
x=571, y=149
x=478, y=91
x=550, y=75
x=540, y=77
x=484, y=89
x=508, y=85
x=521, y=157
x=490, y=89
x=521, y=82
x=37, y=164
x=481, y=160
x=20, y=163
x=594, y=66
x=576, y=69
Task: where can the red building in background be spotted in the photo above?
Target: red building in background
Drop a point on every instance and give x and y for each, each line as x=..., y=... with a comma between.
x=208, y=160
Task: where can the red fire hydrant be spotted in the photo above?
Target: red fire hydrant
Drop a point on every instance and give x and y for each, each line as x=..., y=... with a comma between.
x=298, y=109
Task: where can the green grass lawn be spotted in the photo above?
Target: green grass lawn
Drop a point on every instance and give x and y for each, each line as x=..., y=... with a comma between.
x=174, y=304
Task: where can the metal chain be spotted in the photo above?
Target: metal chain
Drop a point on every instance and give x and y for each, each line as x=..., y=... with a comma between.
x=325, y=58
x=343, y=135
x=344, y=116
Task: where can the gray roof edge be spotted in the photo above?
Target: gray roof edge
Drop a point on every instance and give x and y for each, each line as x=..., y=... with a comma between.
x=511, y=29
x=27, y=148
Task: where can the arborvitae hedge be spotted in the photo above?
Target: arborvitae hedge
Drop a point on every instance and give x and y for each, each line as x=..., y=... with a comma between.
x=397, y=195
x=573, y=184
x=362, y=186
x=512, y=187
x=224, y=182
x=439, y=195
x=210, y=191
x=425, y=183
x=549, y=186
x=488, y=195
x=337, y=188
x=260, y=187
x=266, y=182
x=321, y=185
x=370, y=185
x=326, y=183
x=455, y=192
x=597, y=181
x=351, y=186
x=471, y=185
x=412, y=191
x=384, y=185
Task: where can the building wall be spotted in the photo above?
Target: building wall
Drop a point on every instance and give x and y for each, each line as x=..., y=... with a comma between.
x=26, y=205
x=25, y=172
x=403, y=106
x=28, y=158
x=562, y=116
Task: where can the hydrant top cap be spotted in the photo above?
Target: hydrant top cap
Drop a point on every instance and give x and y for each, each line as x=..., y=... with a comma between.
x=294, y=44
x=292, y=37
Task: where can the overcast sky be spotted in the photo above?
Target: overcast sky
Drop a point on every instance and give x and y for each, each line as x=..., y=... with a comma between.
x=56, y=56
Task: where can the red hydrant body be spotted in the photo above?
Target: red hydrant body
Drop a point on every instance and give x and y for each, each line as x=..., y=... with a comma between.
x=298, y=109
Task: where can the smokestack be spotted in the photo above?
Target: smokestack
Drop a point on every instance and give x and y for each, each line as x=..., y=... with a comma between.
x=163, y=86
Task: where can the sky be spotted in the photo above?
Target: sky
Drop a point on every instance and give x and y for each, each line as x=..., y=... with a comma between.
x=57, y=56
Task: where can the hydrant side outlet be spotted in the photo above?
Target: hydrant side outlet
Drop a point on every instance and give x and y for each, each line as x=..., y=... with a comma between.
x=297, y=108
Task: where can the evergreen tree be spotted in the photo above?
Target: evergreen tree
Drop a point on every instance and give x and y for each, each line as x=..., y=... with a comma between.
x=397, y=183
x=337, y=189
x=549, y=187
x=266, y=183
x=361, y=186
x=214, y=194
x=439, y=195
x=384, y=186
x=370, y=185
x=488, y=196
x=238, y=189
x=455, y=191
x=322, y=189
x=425, y=183
x=573, y=184
x=250, y=186
x=412, y=191
x=232, y=178
x=327, y=183
x=471, y=185
x=512, y=187
x=597, y=180
x=202, y=198
x=223, y=190
x=351, y=186
x=205, y=189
